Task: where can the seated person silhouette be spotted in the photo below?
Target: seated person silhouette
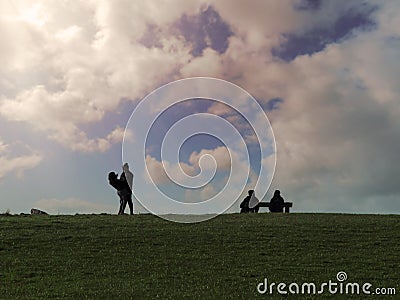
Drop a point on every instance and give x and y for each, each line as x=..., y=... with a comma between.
x=244, y=206
x=276, y=203
x=250, y=203
x=254, y=202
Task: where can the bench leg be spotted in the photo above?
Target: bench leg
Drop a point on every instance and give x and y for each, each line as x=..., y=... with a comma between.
x=287, y=209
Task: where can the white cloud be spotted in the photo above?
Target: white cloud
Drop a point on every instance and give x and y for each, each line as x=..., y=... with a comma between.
x=220, y=109
x=336, y=140
x=224, y=161
x=158, y=175
x=79, y=61
x=156, y=171
x=220, y=154
x=118, y=134
x=3, y=147
x=16, y=164
x=209, y=64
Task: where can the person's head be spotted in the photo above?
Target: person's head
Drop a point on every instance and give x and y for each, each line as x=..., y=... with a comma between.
x=251, y=192
x=125, y=166
x=277, y=192
x=112, y=175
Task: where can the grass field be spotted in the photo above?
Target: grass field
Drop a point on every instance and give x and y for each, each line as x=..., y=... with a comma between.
x=141, y=257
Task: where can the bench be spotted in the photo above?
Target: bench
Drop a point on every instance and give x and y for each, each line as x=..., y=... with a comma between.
x=286, y=205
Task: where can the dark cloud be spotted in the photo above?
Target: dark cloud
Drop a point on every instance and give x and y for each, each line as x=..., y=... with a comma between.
x=308, y=5
x=206, y=29
x=151, y=37
x=317, y=38
x=203, y=30
x=272, y=104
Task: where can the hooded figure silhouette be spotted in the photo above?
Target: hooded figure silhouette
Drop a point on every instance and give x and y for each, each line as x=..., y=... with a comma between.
x=276, y=203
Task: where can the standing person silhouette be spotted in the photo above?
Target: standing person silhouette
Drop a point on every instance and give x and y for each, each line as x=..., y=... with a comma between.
x=118, y=185
x=126, y=193
x=128, y=175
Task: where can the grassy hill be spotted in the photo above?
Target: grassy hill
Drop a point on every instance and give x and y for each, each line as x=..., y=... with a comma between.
x=122, y=257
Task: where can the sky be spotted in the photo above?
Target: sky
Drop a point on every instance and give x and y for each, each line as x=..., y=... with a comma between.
x=324, y=73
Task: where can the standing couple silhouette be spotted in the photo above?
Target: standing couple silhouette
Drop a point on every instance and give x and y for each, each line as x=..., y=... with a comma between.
x=123, y=185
